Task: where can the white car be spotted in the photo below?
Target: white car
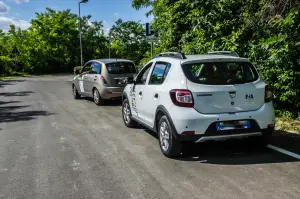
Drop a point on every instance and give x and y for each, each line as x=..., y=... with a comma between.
x=198, y=98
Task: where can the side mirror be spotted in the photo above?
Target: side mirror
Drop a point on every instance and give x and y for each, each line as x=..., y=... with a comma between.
x=129, y=80
x=77, y=72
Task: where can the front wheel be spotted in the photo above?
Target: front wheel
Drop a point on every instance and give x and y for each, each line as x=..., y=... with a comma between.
x=97, y=98
x=169, y=145
x=126, y=112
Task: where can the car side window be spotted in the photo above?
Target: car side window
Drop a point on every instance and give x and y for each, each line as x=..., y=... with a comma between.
x=86, y=69
x=142, y=77
x=96, y=68
x=159, y=73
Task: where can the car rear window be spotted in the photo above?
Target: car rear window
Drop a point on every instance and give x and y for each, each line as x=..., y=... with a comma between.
x=120, y=68
x=220, y=73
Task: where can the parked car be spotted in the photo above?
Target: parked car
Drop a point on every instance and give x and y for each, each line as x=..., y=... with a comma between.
x=102, y=79
x=198, y=98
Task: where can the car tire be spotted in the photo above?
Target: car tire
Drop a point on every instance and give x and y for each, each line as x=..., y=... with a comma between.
x=266, y=139
x=263, y=141
x=126, y=114
x=169, y=145
x=97, y=98
x=75, y=92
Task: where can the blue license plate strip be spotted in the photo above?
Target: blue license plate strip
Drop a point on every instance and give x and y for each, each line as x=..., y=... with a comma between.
x=230, y=125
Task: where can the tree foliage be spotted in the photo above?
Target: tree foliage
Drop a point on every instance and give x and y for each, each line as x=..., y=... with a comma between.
x=266, y=31
x=51, y=44
x=129, y=40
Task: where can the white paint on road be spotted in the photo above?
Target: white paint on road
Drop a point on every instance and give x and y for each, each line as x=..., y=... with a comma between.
x=62, y=139
x=75, y=165
x=294, y=155
x=3, y=169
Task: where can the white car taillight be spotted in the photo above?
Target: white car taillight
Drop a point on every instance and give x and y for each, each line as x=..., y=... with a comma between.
x=183, y=98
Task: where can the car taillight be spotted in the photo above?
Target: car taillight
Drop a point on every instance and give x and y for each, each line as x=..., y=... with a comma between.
x=183, y=98
x=103, y=80
x=268, y=94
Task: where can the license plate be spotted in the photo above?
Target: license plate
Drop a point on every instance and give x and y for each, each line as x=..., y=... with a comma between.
x=230, y=125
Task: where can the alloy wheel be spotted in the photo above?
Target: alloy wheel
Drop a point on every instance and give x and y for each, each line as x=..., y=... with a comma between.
x=164, y=136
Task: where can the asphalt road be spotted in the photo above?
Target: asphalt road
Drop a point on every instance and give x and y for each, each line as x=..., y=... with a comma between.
x=52, y=146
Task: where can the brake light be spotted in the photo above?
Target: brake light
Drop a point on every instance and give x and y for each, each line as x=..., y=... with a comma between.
x=268, y=94
x=183, y=98
x=103, y=80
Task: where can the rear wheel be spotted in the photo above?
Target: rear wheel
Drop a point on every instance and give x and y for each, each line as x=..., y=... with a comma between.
x=127, y=115
x=263, y=141
x=75, y=92
x=169, y=145
x=97, y=98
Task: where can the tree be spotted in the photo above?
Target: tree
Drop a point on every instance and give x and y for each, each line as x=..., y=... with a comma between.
x=129, y=40
x=266, y=31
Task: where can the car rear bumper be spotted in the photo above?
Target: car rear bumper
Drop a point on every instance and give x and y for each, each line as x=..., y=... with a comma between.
x=111, y=92
x=204, y=125
x=220, y=137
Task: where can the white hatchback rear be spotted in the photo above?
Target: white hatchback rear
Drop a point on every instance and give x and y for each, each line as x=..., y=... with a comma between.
x=197, y=98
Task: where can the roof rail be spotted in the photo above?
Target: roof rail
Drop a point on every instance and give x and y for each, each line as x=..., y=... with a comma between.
x=171, y=54
x=230, y=53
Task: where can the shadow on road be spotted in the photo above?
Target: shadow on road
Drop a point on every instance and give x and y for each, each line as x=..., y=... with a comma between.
x=288, y=141
x=21, y=116
x=9, y=82
x=10, y=108
x=13, y=114
x=19, y=94
x=106, y=103
x=2, y=84
x=9, y=102
x=231, y=152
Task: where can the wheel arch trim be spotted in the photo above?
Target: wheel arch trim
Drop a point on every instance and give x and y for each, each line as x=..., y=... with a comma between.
x=162, y=109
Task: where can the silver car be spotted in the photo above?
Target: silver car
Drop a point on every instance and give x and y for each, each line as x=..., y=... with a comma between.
x=103, y=79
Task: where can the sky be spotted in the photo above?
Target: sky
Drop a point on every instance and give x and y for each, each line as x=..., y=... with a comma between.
x=20, y=12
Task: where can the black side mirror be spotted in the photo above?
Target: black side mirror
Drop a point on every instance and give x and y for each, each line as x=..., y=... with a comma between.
x=77, y=72
x=129, y=80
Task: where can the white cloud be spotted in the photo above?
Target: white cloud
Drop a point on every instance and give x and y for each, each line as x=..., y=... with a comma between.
x=5, y=22
x=19, y=1
x=106, y=26
x=3, y=7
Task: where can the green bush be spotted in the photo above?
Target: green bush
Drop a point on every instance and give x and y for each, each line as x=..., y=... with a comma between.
x=6, y=64
x=77, y=68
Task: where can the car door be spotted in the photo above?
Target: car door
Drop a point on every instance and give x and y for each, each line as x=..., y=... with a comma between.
x=136, y=94
x=91, y=77
x=153, y=89
x=83, y=79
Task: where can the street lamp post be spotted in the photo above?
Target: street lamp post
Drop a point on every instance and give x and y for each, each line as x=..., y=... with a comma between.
x=80, y=35
x=109, y=47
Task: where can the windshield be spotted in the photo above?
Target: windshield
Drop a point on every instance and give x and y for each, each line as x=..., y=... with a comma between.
x=220, y=73
x=120, y=68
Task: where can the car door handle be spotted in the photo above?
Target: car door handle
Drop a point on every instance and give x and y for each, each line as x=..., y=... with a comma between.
x=156, y=95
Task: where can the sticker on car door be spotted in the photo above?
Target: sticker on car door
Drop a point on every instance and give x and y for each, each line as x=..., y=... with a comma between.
x=81, y=85
x=133, y=102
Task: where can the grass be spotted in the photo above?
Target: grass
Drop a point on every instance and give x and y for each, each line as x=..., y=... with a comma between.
x=288, y=124
x=14, y=75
